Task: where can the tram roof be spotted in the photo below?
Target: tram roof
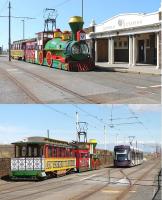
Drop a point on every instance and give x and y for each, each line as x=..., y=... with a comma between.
x=42, y=140
x=127, y=147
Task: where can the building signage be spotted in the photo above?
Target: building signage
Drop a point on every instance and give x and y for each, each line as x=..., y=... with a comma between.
x=123, y=24
x=128, y=21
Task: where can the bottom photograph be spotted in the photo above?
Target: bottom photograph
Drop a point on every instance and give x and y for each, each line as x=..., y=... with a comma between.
x=80, y=151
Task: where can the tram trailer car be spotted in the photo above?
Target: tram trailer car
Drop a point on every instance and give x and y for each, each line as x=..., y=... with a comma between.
x=39, y=158
x=127, y=156
x=58, y=50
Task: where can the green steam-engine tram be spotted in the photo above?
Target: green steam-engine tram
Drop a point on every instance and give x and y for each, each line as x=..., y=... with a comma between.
x=61, y=50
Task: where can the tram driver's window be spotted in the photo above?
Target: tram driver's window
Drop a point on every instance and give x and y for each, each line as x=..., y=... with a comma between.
x=35, y=151
x=29, y=151
x=23, y=151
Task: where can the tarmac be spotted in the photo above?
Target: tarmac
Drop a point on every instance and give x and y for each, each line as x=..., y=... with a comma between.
x=125, y=68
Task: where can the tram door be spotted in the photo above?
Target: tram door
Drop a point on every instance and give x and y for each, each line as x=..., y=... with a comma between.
x=141, y=51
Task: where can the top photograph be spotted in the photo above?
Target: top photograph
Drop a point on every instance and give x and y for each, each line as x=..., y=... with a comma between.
x=80, y=52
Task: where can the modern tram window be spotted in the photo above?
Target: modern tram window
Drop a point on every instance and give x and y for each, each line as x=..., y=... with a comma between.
x=121, y=157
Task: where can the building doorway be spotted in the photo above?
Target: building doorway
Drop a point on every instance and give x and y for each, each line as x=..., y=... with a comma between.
x=141, y=51
x=102, y=49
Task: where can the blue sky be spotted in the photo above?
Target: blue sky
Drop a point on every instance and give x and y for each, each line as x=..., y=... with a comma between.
x=20, y=121
x=93, y=9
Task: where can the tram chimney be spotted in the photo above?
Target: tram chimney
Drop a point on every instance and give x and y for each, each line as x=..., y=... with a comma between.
x=76, y=24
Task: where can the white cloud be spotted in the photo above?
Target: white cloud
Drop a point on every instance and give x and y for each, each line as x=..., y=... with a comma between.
x=145, y=107
x=10, y=133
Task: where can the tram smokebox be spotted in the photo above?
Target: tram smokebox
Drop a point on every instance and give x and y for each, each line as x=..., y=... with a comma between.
x=76, y=23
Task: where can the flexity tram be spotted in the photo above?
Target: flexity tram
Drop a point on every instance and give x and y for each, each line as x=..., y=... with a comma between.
x=127, y=156
x=61, y=50
x=39, y=158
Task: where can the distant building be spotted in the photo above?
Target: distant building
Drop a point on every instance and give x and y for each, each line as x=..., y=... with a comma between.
x=0, y=50
x=134, y=38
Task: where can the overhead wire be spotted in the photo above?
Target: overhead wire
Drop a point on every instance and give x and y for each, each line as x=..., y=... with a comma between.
x=4, y=6
x=56, y=6
x=137, y=118
x=66, y=114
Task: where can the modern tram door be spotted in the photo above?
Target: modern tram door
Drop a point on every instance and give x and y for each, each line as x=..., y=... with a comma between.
x=141, y=52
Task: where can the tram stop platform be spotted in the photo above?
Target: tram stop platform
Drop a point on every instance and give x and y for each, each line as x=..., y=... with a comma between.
x=125, y=68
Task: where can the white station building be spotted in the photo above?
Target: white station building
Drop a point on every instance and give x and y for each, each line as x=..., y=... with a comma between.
x=133, y=38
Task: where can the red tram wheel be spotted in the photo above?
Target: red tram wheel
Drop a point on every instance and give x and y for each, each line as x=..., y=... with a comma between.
x=49, y=59
x=40, y=57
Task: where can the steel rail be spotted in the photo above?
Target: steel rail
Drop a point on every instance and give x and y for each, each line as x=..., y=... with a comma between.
x=62, y=185
x=130, y=187
x=21, y=86
x=62, y=88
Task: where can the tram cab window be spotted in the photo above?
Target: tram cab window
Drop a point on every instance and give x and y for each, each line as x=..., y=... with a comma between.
x=35, y=151
x=23, y=151
x=121, y=157
x=20, y=151
x=84, y=155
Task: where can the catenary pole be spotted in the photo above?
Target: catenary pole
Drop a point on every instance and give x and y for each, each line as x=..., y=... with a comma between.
x=23, y=21
x=9, y=39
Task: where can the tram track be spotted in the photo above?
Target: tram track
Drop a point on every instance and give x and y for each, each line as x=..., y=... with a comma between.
x=28, y=93
x=130, y=187
x=125, y=81
x=94, y=190
x=62, y=184
x=44, y=183
x=56, y=85
x=46, y=187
